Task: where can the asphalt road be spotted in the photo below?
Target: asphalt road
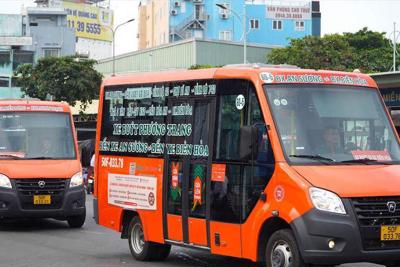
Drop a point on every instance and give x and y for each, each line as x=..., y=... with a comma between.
x=45, y=243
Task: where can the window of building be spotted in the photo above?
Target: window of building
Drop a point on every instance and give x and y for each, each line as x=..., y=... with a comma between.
x=4, y=81
x=299, y=26
x=14, y=82
x=22, y=57
x=277, y=25
x=51, y=52
x=225, y=35
x=4, y=58
x=254, y=24
x=226, y=11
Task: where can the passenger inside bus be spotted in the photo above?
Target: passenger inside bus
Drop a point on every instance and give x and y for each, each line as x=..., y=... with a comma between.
x=330, y=143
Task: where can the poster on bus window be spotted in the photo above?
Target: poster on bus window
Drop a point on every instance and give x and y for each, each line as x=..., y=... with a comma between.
x=132, y=191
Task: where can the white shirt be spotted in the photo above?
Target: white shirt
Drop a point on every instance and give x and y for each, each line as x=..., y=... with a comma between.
x=92, y=161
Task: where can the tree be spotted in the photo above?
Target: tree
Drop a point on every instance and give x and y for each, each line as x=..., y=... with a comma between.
x=365, y=50
x=200, y=66
x=68, y=79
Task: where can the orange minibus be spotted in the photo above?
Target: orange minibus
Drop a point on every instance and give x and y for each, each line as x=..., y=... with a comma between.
x=40, y=171
x=279, y=165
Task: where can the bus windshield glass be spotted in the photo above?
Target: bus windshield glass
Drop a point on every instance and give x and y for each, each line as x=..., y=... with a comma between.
x=36, y=135
x=324, y=124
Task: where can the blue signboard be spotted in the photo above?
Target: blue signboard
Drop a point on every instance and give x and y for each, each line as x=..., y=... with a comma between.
x=391, y=97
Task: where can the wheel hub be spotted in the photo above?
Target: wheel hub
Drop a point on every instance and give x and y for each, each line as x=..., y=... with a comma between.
x=137, y=239
x=281, y=255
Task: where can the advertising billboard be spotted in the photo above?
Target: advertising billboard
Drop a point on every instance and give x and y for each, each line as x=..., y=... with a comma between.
x=89, y=21
x=279, y=12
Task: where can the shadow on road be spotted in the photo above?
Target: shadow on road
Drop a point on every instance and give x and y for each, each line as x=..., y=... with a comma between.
x=28, y=225
x=185, y=257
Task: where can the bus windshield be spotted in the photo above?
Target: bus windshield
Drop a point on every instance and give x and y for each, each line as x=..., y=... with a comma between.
x=320, y=124
x=36, y=135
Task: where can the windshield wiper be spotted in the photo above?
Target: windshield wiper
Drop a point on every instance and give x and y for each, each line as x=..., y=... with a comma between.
x=365, y=161
x=314, y=157
x=10, y=156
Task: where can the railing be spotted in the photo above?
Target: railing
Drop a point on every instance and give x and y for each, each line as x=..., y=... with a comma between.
x=182, y=27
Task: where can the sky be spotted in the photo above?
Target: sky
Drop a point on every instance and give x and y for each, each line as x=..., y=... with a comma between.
x=338, y=16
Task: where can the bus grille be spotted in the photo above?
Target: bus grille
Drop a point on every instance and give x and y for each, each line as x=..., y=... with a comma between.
x=372, y=213
x=27, y=188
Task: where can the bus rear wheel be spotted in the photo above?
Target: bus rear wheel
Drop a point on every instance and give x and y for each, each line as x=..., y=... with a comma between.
x=141, y=249
x=282, y=250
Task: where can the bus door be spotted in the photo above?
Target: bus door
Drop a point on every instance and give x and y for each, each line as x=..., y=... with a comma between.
x=187, y=168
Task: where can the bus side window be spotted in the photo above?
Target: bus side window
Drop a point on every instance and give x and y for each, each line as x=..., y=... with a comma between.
x=235, y=196
x=226, y=193
x=263, y=165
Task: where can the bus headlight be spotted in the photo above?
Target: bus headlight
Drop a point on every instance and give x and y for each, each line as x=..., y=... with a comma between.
x=5, y=181
x=326, y=200
x=76, y=180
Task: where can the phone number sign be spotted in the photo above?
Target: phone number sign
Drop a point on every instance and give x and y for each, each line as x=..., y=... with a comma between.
x=89, y=21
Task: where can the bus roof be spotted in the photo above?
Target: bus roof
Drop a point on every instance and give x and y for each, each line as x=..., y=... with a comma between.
x=265, y=74
x=33, y=105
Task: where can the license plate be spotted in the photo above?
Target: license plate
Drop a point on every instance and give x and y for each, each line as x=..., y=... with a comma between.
x=390, y=232
x=42, y=200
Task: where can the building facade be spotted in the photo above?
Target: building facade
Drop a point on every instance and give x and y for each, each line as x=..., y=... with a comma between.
x=92, y=21
x=49, y=30
x=12, y=53
x=26, y=37
x=389, y=86
x=260, y=21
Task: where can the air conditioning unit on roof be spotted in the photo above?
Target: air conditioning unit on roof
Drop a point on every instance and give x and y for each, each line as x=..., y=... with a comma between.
x=224, y=16
x=174, y=12
x=177, y=4
x=197, y=1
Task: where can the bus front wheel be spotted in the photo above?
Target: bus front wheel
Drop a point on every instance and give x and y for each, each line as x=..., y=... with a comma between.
x=141, y=249
x=76, y=221
x=282, y=250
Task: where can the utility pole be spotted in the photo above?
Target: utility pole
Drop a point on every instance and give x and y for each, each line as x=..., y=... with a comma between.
x=113, y=42
x=242, y=18
x=244, y=33
x=394, y=46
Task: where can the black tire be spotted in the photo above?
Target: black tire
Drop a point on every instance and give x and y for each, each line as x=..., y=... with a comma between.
x=141, y=249
x=282, y=250
x=76, y=221
x=163, y=252
x=392, y=264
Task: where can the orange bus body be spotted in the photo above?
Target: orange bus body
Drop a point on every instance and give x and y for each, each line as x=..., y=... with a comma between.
x=285, y=201
x=34, y=174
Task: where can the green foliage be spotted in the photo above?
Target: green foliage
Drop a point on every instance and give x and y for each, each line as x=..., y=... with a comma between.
x=68, y=79
x=200, y=66
x=365, y=50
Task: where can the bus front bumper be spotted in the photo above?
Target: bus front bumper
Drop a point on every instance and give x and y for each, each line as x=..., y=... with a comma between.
x=315, y=231
x=73, y=204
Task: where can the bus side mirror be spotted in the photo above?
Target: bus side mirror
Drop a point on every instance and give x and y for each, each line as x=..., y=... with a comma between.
x=248, y=147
